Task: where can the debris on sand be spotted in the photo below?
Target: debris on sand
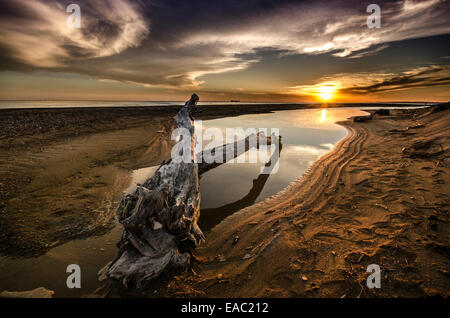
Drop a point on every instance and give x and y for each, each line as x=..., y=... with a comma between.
x=440, y=107
x=219, y=258
x=39, y=292
x=361, y=119
x=362, y=181
x=423, y=149
x=416, y=126
x=354, y=257
x=383, y=112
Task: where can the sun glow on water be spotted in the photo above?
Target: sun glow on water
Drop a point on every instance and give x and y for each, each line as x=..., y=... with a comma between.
x=323, y=115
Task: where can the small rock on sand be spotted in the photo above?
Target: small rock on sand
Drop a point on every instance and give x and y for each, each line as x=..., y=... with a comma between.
x=157, y=226
x=40, y=292
x=361, y=181
x=220, y=258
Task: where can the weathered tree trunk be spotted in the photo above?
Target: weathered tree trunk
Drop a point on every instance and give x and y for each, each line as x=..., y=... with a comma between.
x=160, y=217
x=231, y=150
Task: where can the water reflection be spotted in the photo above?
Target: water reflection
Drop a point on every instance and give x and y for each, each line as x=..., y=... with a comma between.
x=219, y=213
x=323, y=115
x=306, y=135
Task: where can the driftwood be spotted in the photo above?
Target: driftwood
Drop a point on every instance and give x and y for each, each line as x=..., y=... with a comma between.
x=160, y=217
x=424, y=149
x=361, y=119
x=231, y=150
x=383, y=112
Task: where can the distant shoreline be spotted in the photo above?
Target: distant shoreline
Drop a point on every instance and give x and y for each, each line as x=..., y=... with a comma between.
x=74, y=121
x=27, y=105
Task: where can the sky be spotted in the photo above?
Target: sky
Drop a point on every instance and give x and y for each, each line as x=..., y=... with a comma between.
x=253, y=50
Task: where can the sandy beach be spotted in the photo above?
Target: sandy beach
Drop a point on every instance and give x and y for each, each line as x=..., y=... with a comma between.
x=380, y=197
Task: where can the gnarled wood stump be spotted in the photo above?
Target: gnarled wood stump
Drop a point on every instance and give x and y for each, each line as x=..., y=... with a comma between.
x=160, y=217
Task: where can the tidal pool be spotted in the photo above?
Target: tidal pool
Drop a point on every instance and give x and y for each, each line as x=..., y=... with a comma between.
x=306, y=135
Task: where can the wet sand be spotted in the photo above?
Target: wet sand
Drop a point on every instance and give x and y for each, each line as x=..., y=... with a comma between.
x=380, y=197
x=68, y=189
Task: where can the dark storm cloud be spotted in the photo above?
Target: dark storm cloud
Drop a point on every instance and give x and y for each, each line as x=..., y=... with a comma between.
x=174, y=44
x=422, y=77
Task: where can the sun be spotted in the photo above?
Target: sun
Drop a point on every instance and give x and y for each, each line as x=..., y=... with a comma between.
x=322, y=92
x=326, y=92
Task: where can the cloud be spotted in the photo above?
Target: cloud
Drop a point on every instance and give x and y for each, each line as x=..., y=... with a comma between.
x=192, y=39
x=420, y=77
x=164, y=68
x=308, y=28
x=41, y=37
x=369, y=83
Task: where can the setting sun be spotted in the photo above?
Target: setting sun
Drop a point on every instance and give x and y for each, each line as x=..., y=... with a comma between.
x=326, y=92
